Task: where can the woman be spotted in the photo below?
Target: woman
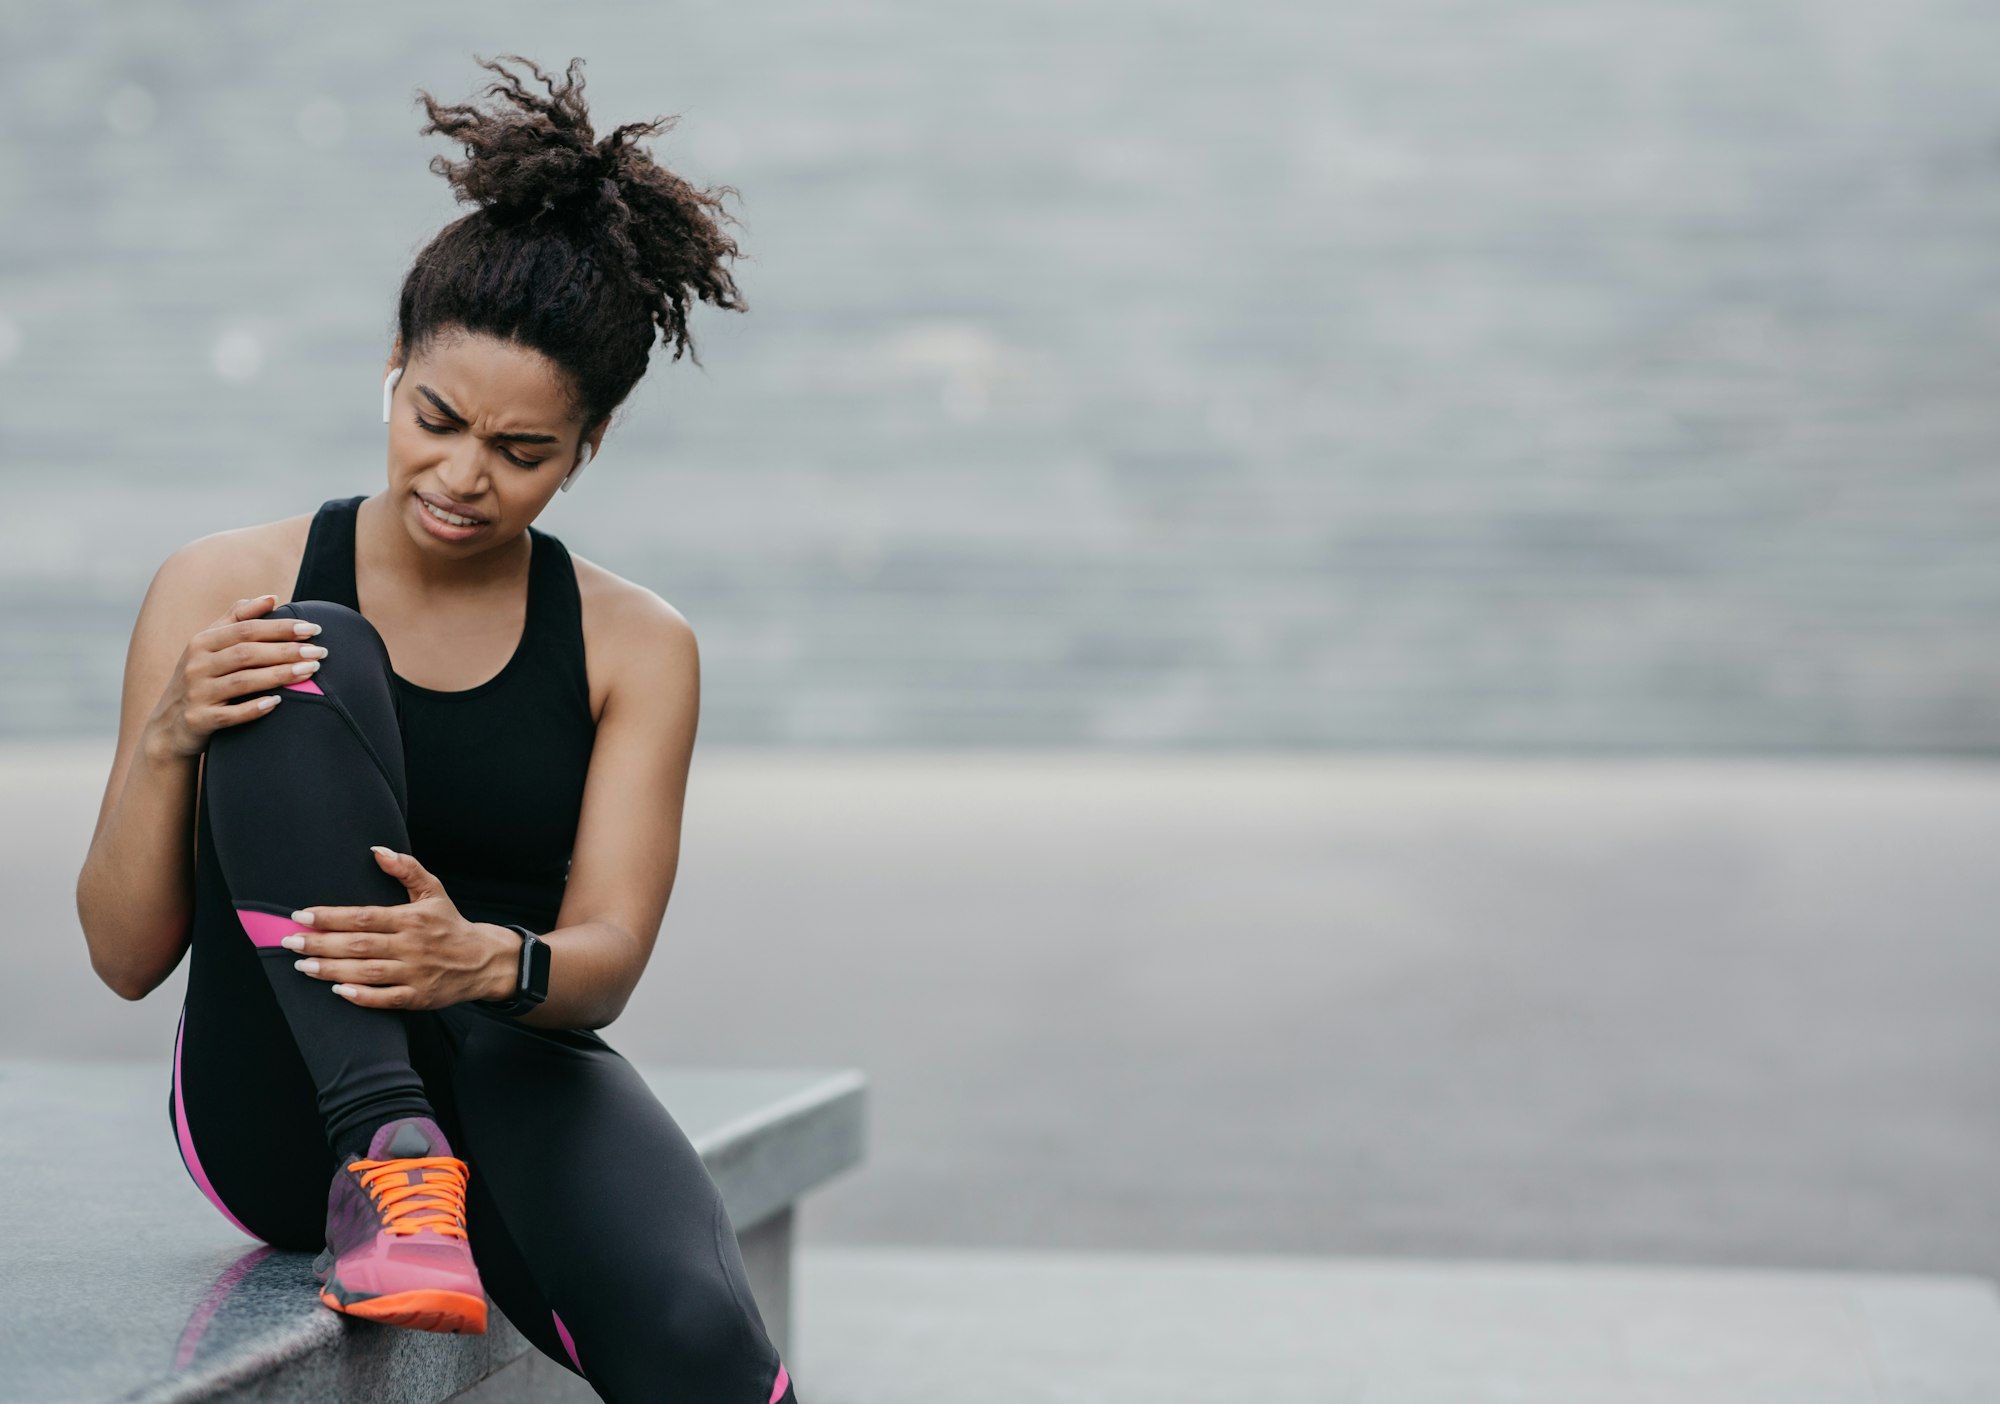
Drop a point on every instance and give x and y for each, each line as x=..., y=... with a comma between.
x=357, y=803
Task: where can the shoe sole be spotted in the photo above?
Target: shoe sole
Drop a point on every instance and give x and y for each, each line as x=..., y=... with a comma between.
x=420, y=1309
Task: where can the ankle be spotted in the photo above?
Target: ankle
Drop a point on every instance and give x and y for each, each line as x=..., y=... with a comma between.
x=352, y=1144
x=353, y=1141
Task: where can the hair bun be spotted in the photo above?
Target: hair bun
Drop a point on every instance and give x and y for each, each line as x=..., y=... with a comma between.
x=534, y=155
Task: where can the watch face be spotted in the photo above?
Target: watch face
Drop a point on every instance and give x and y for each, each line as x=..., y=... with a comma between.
x=538, y=971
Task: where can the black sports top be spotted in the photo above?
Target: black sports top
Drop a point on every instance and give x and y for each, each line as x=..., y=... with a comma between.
x=495, y=771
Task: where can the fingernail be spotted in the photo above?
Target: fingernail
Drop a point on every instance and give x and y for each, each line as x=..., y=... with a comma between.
x=303, y=918
x=294, y=942
x=309, y=965
x=343, y=989
x=305, y=629
x=311, y=651
x=385, y=852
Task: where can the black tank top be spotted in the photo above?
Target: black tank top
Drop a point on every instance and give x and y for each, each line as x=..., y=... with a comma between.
x=496, y=771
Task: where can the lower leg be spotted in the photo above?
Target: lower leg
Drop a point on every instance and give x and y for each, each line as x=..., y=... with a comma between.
x=616, y=1255
x=294, y=800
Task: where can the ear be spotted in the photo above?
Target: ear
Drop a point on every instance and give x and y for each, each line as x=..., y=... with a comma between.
x=585, y=451
x=395, y=357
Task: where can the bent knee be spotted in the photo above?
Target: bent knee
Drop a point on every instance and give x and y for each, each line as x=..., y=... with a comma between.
x=707, y=1335
x=331, y=616
x=343, y=632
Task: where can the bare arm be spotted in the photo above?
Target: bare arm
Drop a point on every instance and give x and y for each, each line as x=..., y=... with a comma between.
x=135, y=893
x=628, y=835
x=136, y=923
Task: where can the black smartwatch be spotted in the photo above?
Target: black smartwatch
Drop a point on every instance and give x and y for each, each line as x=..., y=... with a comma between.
x=532, y=985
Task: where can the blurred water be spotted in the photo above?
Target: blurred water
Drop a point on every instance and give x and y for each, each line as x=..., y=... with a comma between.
x=1507, y=376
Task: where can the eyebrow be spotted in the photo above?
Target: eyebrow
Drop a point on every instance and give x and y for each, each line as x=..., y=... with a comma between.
x=448, y=412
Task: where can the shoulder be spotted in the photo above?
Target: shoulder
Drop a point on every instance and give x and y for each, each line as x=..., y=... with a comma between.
x=193, y=587
x=647, y=646
x=236, y=563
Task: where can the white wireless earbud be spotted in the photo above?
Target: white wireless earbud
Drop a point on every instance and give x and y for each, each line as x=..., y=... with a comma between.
x=388, y=389
x=577, y=472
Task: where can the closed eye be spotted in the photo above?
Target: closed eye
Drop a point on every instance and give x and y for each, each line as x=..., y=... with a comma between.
x=452, y=428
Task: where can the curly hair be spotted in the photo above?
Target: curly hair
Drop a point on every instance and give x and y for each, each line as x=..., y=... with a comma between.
x=580, y=247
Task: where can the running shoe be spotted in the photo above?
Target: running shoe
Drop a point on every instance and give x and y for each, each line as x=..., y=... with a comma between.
x=396, y=1249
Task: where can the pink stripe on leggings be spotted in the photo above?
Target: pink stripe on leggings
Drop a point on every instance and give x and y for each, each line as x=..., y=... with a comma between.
x=307, y=686
x=188, y=1157
x=568, y=1344
x=265, y=929
x=778, y=1389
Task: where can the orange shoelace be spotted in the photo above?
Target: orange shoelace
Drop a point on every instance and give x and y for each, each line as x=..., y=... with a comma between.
x=409, y=1201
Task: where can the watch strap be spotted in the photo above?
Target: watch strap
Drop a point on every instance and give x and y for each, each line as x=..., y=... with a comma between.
x=526, y=992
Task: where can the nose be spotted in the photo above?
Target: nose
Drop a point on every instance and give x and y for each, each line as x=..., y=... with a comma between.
x=460, y=476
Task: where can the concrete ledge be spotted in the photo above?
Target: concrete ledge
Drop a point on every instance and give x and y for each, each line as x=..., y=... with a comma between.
x=119, y=1281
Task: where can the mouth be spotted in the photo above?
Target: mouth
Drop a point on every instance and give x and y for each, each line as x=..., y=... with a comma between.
x=443, y=512
x=447, y=511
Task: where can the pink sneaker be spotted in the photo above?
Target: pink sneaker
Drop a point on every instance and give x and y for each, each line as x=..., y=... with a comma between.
x=395, y=1234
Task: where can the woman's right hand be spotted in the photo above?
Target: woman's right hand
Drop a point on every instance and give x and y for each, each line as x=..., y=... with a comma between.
x=240, y=653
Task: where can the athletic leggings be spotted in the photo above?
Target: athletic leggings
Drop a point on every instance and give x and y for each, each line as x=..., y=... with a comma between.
x=595, y=1226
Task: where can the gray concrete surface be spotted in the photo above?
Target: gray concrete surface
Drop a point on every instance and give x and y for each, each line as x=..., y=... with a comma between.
x=1716, y=1014
x=996, y=1326
x=920, y=1326
x=1357, y=373
x=120, y=1280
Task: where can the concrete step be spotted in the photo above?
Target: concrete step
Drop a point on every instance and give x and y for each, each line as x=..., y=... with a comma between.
x=120, y=1281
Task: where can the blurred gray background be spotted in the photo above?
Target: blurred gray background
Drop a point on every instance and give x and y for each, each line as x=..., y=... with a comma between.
x=1327, y=627
x=1564, y=376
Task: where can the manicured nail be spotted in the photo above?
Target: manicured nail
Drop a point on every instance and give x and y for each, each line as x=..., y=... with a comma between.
x=343, y=989
x=305, y=628
x=385, y=852
x=301, y=669
x=311, y=651
x=309, y=965
x=303, y=918
x=294, y=942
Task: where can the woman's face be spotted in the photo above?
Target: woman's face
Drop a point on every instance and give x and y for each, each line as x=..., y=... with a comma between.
x=478, y=426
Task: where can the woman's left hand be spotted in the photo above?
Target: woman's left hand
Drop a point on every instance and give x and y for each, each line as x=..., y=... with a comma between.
x=421, y=955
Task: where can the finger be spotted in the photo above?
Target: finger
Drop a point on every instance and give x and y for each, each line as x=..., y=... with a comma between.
x=246, y=609
x=248, y=678
x=377, y=996
x=228, y=684
x=268, y=627
x=274, y=642
x=341, y=945
x=328, y=919
x=353, y=972
x=241, y=690
x=407, y=870
x=277, y=626
x=252, y=609
x=236, y=713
